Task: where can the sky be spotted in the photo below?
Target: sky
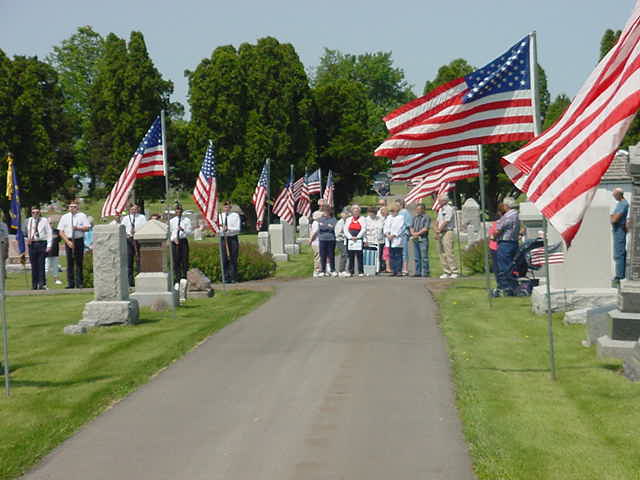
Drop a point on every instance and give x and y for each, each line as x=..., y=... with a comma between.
x=421, y=34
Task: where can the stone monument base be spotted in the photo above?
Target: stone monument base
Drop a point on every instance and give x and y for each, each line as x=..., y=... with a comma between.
x=598, y=323
x=201, y=293
x=608, y=348
x=292, y=249
x=632, y=364
x=152, y=290
x=109, y=312
x=264, y=243
x=157, y=300
x=582, y=315
x=280, y=257
x=571, y=299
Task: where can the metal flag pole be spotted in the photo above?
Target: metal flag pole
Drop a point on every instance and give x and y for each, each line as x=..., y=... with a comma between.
x=166, y=202
x=535, y=100
x=268, y=193
x=455, y=196
x=5, y=329
x=483, y=209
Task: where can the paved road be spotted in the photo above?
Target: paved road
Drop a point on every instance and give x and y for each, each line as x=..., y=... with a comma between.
x=331, y=379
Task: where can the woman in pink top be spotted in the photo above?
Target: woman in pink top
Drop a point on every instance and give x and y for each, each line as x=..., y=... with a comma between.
x=493, y=245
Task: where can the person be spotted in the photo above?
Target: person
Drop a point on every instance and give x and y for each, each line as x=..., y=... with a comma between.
x=133, y=221
x=618, y=219
x=72, y=227
x=156, y=216
x=39, y=238
x=404, y=213
x=383, y=214
x=53, y=257
x=382, y=203
x=354, y=231
x=507, y=231
x=314, y=241
x=493, y=247
x=372, y=238
x=88, y=236
x=393, y=230
x=444, y=235
x=341, y=242
x=419, y=231
x=321, y=203
x=327, y=242
x=117, y=219
x=179, y=230
x=229, y=229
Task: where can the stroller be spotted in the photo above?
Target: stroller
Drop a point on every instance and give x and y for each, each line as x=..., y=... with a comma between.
x=521, y=274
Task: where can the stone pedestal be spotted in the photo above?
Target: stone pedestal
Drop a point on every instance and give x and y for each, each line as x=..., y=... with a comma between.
x=153, y=285
x=199, y=284
x=290, y=245
x=264, y=243
x=632, y=364
x=564, y=300
x=276, y=232
x=303, y=231
x=471, y=221
x=292, y=249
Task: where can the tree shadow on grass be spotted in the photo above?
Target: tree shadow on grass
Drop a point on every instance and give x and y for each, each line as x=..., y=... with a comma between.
x=51, y=384
x=14, y=367
x=607, y=366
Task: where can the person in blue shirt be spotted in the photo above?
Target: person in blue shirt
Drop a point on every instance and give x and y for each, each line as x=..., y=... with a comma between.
x=619, y=229
x=408, y=220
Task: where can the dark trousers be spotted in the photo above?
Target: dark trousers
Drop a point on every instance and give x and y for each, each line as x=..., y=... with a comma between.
x=353, y=256
x=230, y=249
x=494, y=263
x=327, y=252
x=620, y=252
x=396, y=260
x=133, y=258
x=37, y=257
x=75, y=256
x=382, y=263
x=421, y=256
x=506, y=252
x=180, y=252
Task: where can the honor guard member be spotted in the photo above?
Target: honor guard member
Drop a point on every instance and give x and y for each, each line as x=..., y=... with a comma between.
x=72, y=227
x=39, y=238
x=229, y=229
x=180, y=228
x=133, y=221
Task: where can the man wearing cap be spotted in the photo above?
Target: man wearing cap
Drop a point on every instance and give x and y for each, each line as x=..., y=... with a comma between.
x=39, y=238
x=133, y=222
x=73, y=226
x=229, y=229
x=618, y=218
x=180, y=228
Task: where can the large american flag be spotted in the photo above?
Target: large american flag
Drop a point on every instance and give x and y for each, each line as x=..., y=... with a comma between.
x=297, y=188
x=303, y=206
x=314, y=182
x=284, y=204
x=432, y=182
x=205, y=193
x=561, y=169
x=440, y=197
x=410, y=167
x=259, y=198
x=328, y=190
x=491, y=105
x=146, y=161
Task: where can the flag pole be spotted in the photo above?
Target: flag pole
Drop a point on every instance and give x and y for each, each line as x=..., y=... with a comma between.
x=455, y=196
x=5, y=329
x=484, y=225
x=535, y=100
x=268, y=193
x=221, y=233
x=166, y=202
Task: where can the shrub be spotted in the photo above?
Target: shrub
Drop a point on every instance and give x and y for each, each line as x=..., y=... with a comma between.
x=252, y=265
x=473, y=257
x=87, y=268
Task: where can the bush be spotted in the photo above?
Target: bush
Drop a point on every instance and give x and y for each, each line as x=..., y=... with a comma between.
x=473, y=257
x=252, y=265
x=87, y=268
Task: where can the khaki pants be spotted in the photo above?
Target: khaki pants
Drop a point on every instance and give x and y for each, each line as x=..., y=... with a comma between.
x=316, y=257
x=447, y=254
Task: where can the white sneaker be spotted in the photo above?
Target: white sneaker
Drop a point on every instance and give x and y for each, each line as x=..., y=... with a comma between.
x=58, y=282
x=347, y=274
x=454, y=275
x=316, y=274
x=361, y=274
x=445, y=275
x=334, y=274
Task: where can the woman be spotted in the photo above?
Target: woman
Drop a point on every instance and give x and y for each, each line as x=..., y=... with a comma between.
x=354, y=231
x=315, y=243
x=340, y=242
x=327, y=242
x=394, y=230
x=386, y=250
x=372, y=238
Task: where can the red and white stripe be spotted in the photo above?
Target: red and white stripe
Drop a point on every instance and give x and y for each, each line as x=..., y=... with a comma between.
x=151, y=163
x=303, y=206
x=434, y=181
x=418, y=165
x=440, y=195
x=561, y=169
x=117, y=199
x=284, y=205
x=205, y=196
x=537, y=257
x=297, y=188
x=259, y=200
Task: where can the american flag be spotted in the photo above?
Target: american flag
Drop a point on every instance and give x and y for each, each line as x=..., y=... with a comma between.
x=314, y=182
x=560, y=170
x=146, y=161
x=416, y=166
x=432, y=182
x=284, y=204
x=297, y=188
x=491, y=105
x=205, y=194
x=303, y=207
x=328, y=190
x=259, y=198
x=537, y=257
x=440, y=195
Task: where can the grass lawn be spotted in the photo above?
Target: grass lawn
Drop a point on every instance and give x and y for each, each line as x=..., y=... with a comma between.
x=518, y=423
x=60, y=382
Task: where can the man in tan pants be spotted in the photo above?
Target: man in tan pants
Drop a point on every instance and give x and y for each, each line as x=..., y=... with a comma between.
x=444, y=234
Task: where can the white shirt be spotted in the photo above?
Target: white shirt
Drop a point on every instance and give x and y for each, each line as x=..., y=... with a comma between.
x=39, y=230
x=232, y=221
x=185, y=225
x=363, y=227
x=315, y=240
x=340, y=230
x=446, y=218
x=394, y=226
x=132, y=223
x=68, y=222
x=374, y=230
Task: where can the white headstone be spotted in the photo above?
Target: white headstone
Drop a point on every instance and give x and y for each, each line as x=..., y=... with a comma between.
x=264, y=245
x=471, y=220
x=303, y=229
x=276, y=234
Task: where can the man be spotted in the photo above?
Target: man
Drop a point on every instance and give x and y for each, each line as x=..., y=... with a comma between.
x=321, y=204
x=39, y=239
x=73, y=226
x=420, y=236
x=180, y=228
x=382, y=203
x=444, y=234
x=618, y=220
x=133, y=221
x=393, y=229
x=507, y=232
x=229, y=230
x=408, y=219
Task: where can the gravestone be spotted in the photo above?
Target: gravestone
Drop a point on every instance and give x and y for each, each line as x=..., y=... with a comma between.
x=303, y=230
x=111, y=305
x=276, y=234
x=264, y=243
x=199, y=284
x=290, y=245
x=470, y=220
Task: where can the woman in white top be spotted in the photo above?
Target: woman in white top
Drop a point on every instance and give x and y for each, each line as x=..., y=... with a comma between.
x=386, y=223
x=354, y=231
x=315, y=242
x=341, y=245
x=393, y=232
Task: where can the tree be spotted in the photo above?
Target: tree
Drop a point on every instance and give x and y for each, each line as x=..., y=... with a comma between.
x=609, y=39
x=555, y=110
x=446, y=73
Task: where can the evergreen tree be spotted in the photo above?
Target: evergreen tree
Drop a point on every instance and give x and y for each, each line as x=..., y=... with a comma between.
x=609, y=39
x=555, y=110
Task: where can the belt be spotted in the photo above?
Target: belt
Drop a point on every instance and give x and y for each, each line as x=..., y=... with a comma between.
x=38, y=241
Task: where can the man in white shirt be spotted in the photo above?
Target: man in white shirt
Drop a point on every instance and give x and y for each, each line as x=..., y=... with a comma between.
x=394, y=229
x=39, y=238
x=444, y=234
x=133, y=221
x=73, y=226
x=229, y=229
x=180, y=228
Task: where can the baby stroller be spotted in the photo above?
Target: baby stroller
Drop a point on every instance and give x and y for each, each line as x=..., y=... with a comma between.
x=521, y=274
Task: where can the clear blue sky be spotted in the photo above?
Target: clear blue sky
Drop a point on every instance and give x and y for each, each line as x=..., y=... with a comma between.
x=422, y=34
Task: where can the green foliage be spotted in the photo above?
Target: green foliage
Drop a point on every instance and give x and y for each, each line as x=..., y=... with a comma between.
x=252, y=265
x=473, y=257
x=555, y=110
x=87, y=269
x=446, y=73
x=609, y=39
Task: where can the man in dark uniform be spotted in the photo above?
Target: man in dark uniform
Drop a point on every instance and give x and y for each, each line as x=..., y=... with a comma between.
x=229, y=229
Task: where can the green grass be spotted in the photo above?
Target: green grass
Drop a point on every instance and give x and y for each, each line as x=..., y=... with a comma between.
x=60, y=382
x=298, y=266
x=518, y=423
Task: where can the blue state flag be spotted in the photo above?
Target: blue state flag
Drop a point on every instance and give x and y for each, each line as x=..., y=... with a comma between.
x=13, y=194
